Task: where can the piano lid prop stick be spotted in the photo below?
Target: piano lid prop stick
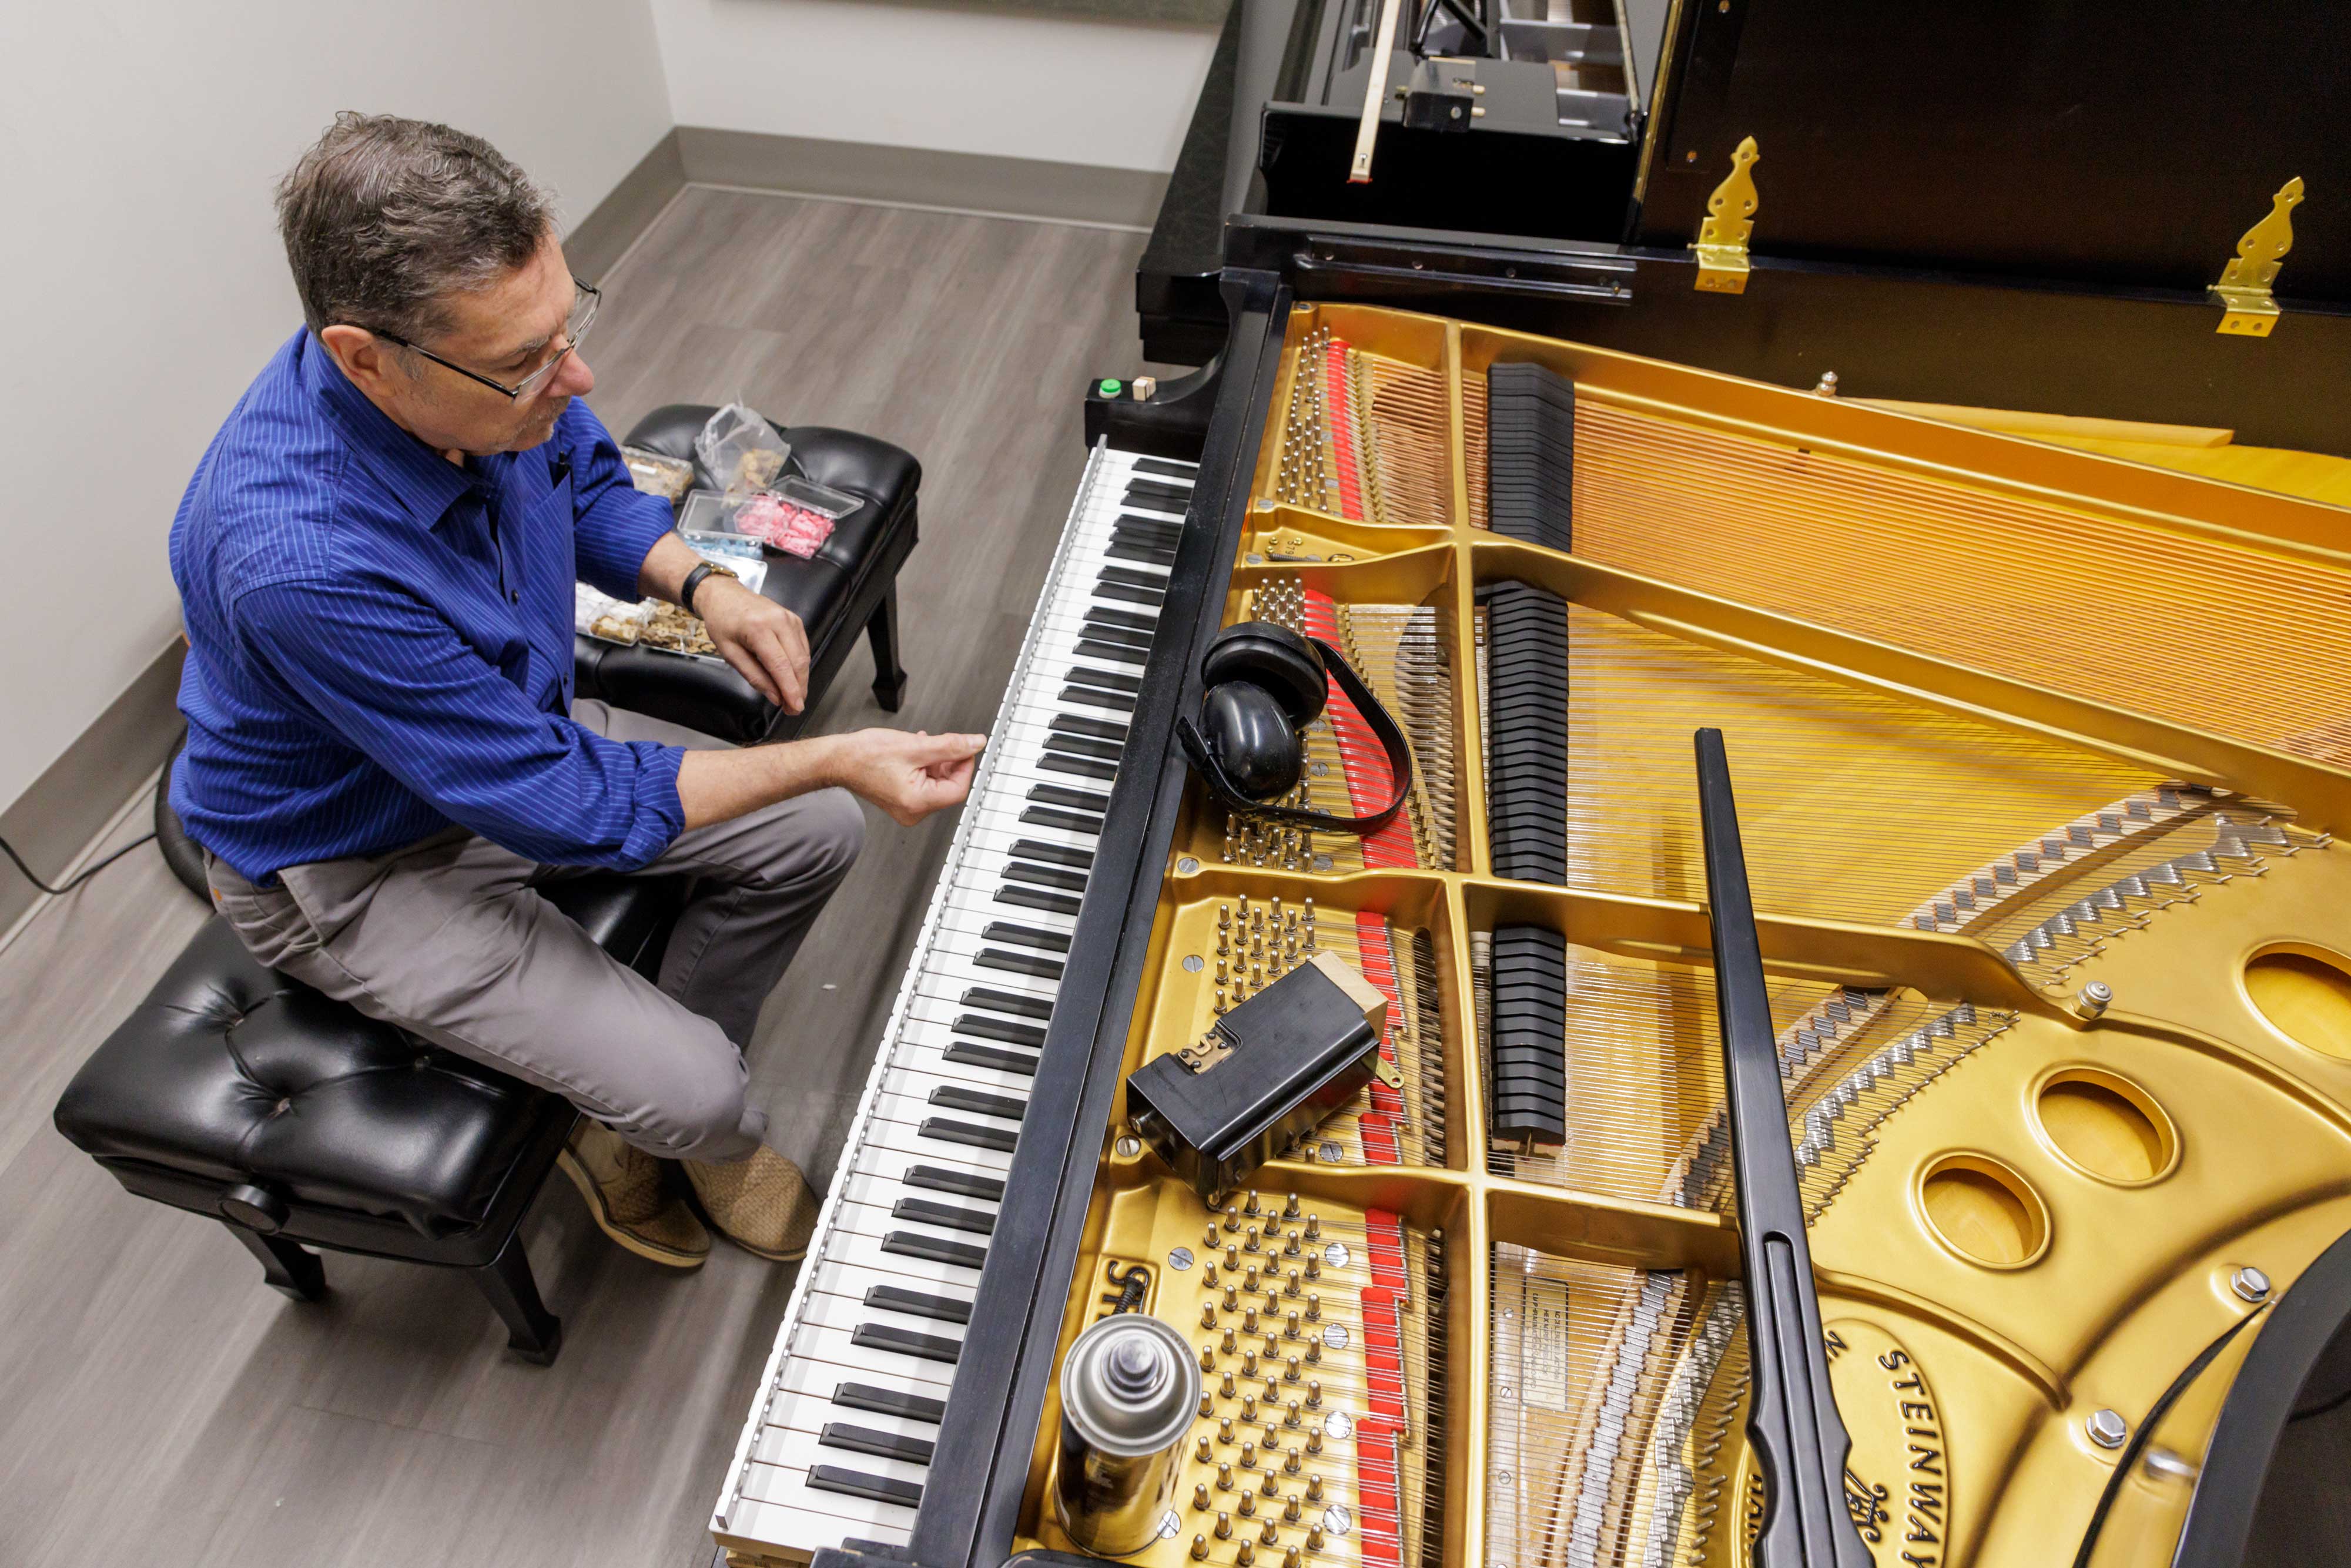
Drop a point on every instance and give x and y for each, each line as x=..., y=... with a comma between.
x=1375, y=94
x=1800, y=1440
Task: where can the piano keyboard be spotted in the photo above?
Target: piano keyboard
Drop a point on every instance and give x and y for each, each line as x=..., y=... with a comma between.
x=839, y=1439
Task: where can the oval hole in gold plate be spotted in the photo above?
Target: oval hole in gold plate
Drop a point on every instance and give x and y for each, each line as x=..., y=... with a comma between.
x=2106, y=1125
x=1984, y=1212
x=2305, y=994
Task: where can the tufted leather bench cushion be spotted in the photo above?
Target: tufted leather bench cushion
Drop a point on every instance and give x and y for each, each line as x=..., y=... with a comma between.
x=230, y=1076
x=837, y=594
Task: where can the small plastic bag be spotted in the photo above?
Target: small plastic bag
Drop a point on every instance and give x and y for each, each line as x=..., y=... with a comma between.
x=655, y=474
x=740, y=450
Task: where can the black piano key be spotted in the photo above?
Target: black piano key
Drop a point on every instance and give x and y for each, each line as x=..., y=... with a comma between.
x=1162, y=530
x=1095, y=697
x=1157, y=495
x=1134, y=549
x=964, y=1184
x=1128, y=593
x=923, y=1211
x=996, y=1058
x=1107, y=679
x=1017, y=963
x=1026, y=936
x=983, y=1027
x=1047, y=876
x=1079, y=724
x=934, y=1248
x=1062, y=795
x=979, y=1101
x=881, y=1445
x=1036, y=898
x=1020, y=1004
x=1111, y=652
x=876, y=1401
x=1079, y=767
x=1133, y=577
x=1111, y=617
x=1102, y=631
x=1056, y=854
x=1082, y=746
x=1174, y=468
x=951, y=1131
x=919, y=1303
x=1068, y=821
x=857, y=1483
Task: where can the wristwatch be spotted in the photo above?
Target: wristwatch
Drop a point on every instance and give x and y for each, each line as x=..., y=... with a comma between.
x=693, y=581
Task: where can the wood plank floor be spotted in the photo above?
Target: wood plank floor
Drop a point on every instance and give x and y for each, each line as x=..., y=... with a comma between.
x=162, y=1405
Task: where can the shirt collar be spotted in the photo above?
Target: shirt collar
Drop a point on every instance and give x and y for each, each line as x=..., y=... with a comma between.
x=425, y=483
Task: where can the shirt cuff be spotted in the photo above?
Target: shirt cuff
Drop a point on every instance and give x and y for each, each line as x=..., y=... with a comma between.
x=615, y=537
x=658, y=815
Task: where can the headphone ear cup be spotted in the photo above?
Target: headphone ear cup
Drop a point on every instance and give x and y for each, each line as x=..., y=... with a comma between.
x=1269, y=654
x=1249, y=734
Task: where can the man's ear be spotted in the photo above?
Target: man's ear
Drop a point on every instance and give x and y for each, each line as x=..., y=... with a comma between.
x=365, y=358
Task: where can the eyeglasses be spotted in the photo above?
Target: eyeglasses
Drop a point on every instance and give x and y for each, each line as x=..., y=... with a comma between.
x=584, y=301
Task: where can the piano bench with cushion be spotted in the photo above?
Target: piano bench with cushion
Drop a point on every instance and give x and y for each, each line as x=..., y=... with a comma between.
x=851, y=584
x=235, y=1093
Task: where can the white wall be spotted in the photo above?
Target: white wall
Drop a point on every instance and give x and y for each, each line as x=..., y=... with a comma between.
x=141, y=279
x=1008, y=82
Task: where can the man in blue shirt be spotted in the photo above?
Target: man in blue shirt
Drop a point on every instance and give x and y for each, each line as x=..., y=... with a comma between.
x=375, y=562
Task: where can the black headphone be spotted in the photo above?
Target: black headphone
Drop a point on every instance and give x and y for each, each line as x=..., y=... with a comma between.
x=1263, y=685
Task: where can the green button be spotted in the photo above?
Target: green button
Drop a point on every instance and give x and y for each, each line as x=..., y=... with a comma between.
x=1108, y=389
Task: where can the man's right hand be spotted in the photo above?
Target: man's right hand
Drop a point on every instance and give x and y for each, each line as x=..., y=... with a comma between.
x=908, y=775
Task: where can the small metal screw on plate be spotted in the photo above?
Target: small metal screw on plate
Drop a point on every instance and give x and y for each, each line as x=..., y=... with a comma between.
x=2094, y=998
x=1180, y=1259
x=1128, y=1146
x=1254, y=558
x=1194, y=963
x=2163, y=1463
x=2107, y=1429
x=1331, y=1153
x=2251, y=1284
x=1187, y=866
x=1170, y=1526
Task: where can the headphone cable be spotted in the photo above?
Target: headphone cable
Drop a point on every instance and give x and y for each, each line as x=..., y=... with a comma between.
x=87, y=873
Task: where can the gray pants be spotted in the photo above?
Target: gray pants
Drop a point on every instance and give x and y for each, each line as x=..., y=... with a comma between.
x=448, y=938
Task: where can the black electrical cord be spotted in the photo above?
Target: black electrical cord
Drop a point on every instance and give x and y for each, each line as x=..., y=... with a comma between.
x=88, y=871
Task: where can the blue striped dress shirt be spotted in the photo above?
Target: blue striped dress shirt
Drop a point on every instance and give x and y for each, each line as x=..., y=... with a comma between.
x=380, y=641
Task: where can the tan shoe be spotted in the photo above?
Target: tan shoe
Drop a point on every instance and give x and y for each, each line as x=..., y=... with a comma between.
x=763, y=1205
x=622, y=1186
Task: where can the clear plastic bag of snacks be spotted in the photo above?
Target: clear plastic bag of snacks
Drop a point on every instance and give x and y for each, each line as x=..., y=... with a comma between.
x=740, y=450
x=655, y=474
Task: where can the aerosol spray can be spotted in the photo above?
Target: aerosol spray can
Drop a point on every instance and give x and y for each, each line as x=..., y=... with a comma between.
x=1129, y=1388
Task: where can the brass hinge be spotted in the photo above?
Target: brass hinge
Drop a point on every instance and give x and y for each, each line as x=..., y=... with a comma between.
x=1722, y=239
x=2249, y=310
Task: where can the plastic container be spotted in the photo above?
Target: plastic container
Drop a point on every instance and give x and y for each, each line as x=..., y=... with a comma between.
x=655, y=474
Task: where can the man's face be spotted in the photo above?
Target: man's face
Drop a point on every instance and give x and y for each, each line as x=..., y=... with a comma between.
x=504, y=332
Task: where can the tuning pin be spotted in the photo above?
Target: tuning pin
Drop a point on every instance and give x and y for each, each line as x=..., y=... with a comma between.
x=1245, y=1556
x=1313, y=1352
x=1272, y=1484
x=1289, y=1326
x=1248, y=1242
x=1226, y=1344
x=1208, y=1358
x=1314, y=1439
x=1209, y=1270
x=1224, y=1527
x=1199, y=1548
x=1291, y=1558
x=1226, y=1387
x=1200, y=1496
x=1250, y=1207
x=1290, y=1206
x=1289, y=1246
x=1313, y=1538
x=1233, y=1261
x=1272, y=1398
x=1249, y=1408
x=1289, y=1462
x=1232, y=1220
x=1290, y=1285
x=1313, y=1225
x=1248, y=1321
x=1270, y=1534
x=1290, y=1413
x=1248, y=1362
x=1314, y=1487
x=1247, y=1507
x=1248, y=1278
x=1313, y=1266
x=1313, y=1307
x=1314, y=1394
x=1290, y=1369
x=1232, y=1298
x=1224, y=1432
x=1207, y=1314
x=1200, y=1450
x=1207, y=1409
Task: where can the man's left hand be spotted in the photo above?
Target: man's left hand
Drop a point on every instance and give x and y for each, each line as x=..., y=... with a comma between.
x=763, y=641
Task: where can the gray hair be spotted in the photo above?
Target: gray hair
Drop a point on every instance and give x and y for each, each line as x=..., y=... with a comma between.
x=385, y=218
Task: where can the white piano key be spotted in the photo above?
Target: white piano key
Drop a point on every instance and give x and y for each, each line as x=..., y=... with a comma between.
x=777, y=1507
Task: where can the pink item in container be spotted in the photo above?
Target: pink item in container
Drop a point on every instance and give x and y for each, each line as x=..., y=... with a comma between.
x=795, y=530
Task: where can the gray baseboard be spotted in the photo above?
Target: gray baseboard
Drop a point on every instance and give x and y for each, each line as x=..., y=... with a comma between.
x=922, y=176
x=81, y=790
x=598, y=241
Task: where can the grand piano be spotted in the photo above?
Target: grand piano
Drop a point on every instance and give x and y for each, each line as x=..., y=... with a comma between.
x=2041, y=758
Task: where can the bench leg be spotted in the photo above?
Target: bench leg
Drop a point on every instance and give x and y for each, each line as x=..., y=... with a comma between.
x=881, y=633
x=291, y=1269
x=533, y=1332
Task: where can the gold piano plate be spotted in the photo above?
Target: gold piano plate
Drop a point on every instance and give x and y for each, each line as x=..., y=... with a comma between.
x=2008, y=722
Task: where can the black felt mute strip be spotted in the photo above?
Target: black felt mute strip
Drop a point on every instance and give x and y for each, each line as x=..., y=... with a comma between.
x=1526, y=741
x=1529, y=454
x=1526, y=1069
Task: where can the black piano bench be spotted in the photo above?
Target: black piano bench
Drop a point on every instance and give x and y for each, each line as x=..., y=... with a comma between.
x=851, y=584
x=235, y=1093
